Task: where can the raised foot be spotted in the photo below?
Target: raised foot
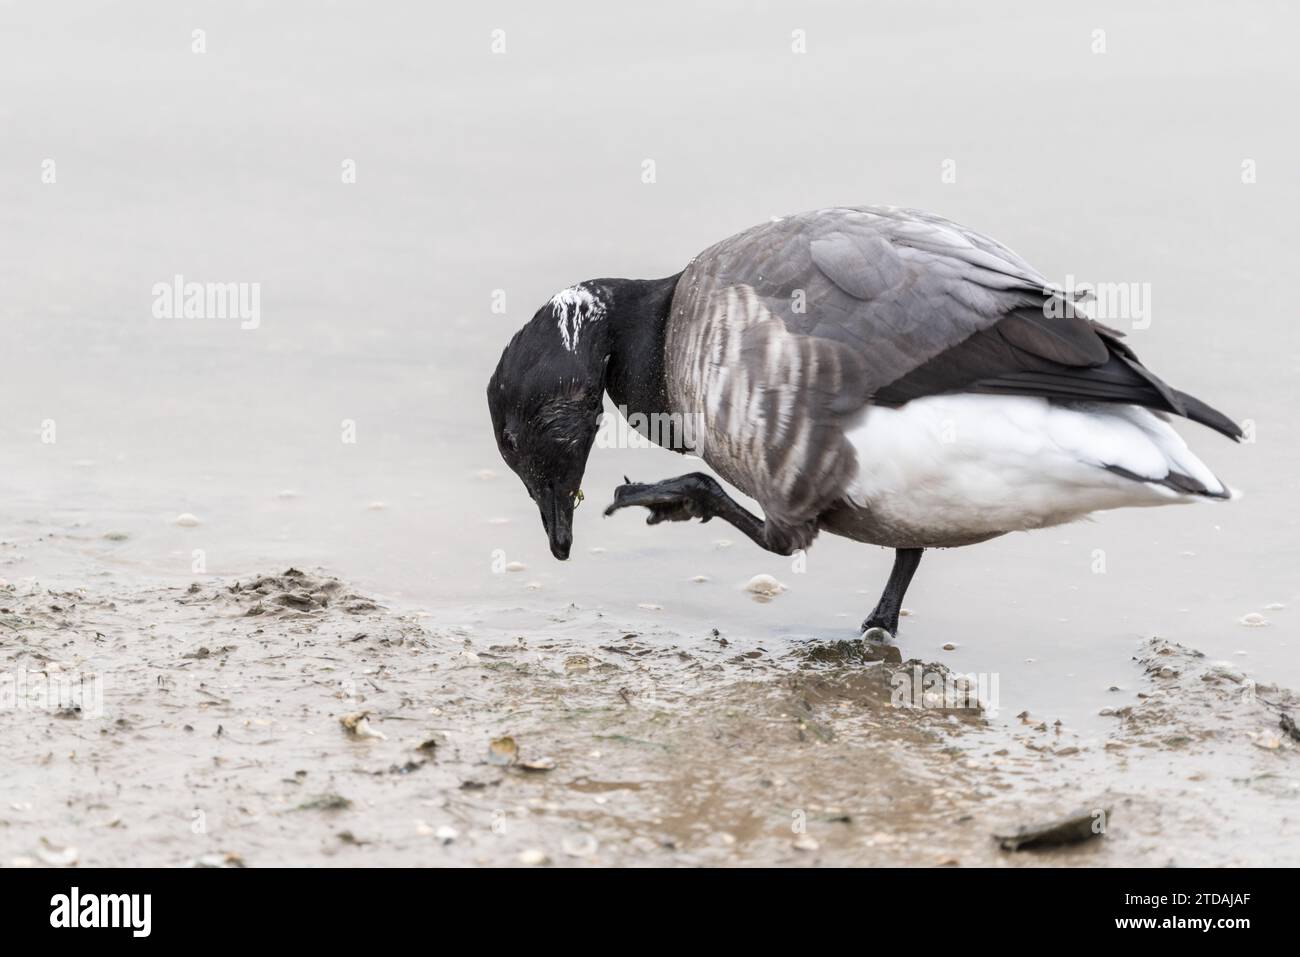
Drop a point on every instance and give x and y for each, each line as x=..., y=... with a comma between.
x=672, y=500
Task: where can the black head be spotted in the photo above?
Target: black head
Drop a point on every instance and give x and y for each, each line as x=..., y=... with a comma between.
x=545, y=398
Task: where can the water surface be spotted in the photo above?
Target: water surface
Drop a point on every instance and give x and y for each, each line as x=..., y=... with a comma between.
x=521, y=172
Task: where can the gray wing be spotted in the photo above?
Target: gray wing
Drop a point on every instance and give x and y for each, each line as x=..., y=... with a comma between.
x=782, y=334
x=897, y=287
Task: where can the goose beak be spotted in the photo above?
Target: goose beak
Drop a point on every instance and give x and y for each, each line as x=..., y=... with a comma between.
x=557, y=519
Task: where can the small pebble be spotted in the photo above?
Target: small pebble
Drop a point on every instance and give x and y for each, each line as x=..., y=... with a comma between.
x=764, y=587
x=584, y=846
x=187, y=519
x=533, y=857
x=805, y=843
x=485, y=475
x=515, y=566
x=650, y=606
x=56, y=856
x=1253, y=620
x=949, y=646
x=446, y=834
x=358, y=725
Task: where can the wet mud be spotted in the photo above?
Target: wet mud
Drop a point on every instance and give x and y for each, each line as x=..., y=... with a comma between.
x=287, y=718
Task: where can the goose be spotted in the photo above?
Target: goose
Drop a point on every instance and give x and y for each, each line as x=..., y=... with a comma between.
x=875, y=372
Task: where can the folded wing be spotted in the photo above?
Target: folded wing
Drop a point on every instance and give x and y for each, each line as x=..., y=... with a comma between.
x=782, y=333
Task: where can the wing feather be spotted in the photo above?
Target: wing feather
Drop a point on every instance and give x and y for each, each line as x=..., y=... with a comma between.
x=824, y=313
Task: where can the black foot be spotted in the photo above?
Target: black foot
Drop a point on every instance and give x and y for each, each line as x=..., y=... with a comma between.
x=880, y=628
x=672, y=500
x=882, y=623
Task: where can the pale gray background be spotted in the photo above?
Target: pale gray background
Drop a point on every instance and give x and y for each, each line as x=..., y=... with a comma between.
x=522, y=172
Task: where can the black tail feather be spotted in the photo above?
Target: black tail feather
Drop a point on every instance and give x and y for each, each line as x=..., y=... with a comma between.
x=1198, y=411
x=1022, y=355
x=1183, y=484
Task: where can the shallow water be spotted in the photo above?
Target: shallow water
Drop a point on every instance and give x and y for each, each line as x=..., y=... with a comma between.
x=521, y=172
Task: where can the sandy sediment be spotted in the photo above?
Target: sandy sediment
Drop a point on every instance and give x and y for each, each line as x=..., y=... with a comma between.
x=286, y=719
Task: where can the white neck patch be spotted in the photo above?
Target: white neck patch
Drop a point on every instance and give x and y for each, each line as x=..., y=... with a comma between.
x=573, y=308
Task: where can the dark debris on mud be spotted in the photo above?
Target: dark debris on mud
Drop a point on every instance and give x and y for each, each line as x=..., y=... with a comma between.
x=291, y=591
x=260, y=720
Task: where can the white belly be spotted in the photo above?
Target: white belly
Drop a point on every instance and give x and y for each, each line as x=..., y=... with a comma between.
x=954, y=469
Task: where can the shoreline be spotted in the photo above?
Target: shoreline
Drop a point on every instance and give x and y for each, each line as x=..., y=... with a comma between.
x=225, y=740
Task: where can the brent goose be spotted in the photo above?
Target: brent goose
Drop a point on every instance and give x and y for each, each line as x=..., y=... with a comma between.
x=880, y=373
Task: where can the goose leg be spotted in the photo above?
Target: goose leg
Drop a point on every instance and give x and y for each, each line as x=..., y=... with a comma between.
x=699, y=496
x=885, y=615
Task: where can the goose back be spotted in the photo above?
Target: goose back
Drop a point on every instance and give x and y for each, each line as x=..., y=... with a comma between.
x=781, y=337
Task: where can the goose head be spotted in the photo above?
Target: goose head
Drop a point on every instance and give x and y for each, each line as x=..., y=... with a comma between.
x=545, y=398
